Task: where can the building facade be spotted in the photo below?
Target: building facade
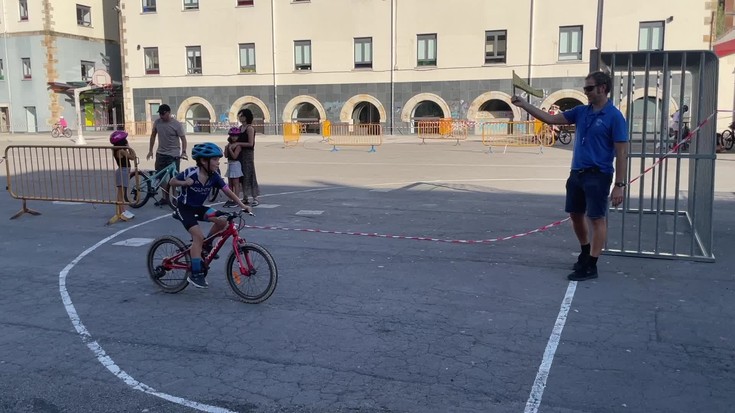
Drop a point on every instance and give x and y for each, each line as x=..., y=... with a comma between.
x=386, y=61
x=48, y=48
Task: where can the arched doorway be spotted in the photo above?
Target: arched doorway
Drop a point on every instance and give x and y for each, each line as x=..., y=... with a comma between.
x=427, y=110
x=365, y=112
x=652, y=120
x=567, y=103
x=496, y=109
x=308, y=114
x=198, y=119
x=258, y=116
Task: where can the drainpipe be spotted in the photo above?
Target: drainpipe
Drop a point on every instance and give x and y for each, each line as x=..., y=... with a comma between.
x=530, y=43
x=275, y=84
x=392, y=67
x=7, y=69
x=597, y=53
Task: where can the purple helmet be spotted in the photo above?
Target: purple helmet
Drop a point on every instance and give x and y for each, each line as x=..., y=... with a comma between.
x=235, y=130
x=118, y=136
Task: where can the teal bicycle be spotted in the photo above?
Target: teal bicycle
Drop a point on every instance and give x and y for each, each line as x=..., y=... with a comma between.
x=147, y=184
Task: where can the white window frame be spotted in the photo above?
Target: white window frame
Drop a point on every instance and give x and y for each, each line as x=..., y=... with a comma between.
x=149, y=6
x=191, y=4
x=645, y=32
x=194, y=53
x=23, y=10
x=84, y=19
x=426, y=50
x=497, y=55
x=27, y=68
x=88, y=67
x=567, y=45
x=302, y=55
x=363, y=52
x=247, y=65
x=154, y=67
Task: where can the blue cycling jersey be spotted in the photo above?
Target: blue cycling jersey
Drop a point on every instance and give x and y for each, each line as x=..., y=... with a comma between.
x=196, y=194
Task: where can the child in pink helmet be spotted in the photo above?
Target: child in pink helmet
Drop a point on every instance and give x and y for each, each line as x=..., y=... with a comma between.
x=234, y=168
x=122, y=158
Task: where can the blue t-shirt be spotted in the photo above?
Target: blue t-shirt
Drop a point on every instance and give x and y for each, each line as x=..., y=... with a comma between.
x=197, y=194
x=596, y=134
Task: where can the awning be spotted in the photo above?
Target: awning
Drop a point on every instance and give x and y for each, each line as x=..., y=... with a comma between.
x=725, y=46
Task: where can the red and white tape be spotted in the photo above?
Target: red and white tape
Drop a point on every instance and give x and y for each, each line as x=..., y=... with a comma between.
x=408, y=237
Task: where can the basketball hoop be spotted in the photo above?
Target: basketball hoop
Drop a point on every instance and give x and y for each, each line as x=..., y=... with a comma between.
x=101, y=78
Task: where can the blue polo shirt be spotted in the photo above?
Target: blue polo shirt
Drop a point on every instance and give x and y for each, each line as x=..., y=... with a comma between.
x=596, y=134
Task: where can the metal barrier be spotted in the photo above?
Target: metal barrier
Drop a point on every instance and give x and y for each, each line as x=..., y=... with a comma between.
x=291, y=134
x=63, y=173
x=345, y=134
x=519, y=134
x=667, y=213
x=442, y=129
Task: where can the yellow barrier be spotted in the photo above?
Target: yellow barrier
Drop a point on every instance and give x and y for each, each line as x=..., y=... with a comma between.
x=64, y=173
x=345, y=134
x=442, y=129
x=518, y=134
x=291, y=134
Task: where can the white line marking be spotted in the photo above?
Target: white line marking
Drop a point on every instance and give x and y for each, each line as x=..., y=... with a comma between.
x=309, y=212
x=537, y=391
x=100, y=353
x=267, y=206
x=134, y=242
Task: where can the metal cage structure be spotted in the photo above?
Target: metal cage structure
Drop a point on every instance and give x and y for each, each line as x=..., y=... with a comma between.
x=667, y=211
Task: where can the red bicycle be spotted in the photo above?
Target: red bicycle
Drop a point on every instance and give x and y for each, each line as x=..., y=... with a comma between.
x=251, y=270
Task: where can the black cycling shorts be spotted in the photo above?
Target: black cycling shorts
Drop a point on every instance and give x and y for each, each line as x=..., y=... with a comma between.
x=191, y=215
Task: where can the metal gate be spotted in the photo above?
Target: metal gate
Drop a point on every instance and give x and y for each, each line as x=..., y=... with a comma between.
x=667, y=212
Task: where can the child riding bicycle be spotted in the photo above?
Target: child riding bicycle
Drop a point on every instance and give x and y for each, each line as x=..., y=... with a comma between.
x=197, y=182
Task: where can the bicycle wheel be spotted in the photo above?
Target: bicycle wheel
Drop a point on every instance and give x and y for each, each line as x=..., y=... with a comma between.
x=260, y=282
x=55, y=133
x=170, y=280
x=565, y=137
x=67, y=133
x=728, y=140
x=139, y=189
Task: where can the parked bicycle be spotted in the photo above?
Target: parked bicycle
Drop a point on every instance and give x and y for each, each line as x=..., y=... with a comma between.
x=250, y=269
x=146, y=184
x=728, y=137
x=58, y=130
x=565, y=133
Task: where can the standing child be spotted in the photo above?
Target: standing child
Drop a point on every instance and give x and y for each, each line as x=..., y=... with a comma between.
x=122, y=174
x=234, y=167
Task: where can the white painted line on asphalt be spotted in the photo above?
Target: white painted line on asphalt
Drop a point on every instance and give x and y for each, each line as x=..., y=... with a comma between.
x=309, y=212
x=102, y=356
x=267, y=206
x=134, y=242
x=537, y=391
x=100, y=353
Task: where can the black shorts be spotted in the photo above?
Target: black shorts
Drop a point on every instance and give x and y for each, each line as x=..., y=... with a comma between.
x=191, y=215
x=163, y=161
x=588, y=191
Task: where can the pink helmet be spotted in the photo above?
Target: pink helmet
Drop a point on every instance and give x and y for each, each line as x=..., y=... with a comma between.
x=118, y=136
x=235, y=130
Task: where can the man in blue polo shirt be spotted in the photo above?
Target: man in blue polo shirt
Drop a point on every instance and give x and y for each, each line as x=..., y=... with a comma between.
x=601, y=136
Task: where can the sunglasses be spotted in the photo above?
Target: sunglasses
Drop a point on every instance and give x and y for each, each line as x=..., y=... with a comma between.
x=589, y=88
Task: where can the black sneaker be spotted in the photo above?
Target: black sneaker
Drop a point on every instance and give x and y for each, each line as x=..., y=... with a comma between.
x=198, y=280
x=583, y=274
x=581, y=261
x=229, y=204
x=162, y=202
